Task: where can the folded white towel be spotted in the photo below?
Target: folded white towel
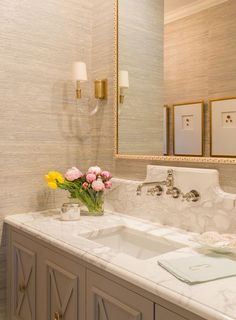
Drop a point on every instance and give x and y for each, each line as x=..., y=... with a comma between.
x=201, y=268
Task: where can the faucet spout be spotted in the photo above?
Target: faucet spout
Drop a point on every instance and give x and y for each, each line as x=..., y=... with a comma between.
x=149, y=183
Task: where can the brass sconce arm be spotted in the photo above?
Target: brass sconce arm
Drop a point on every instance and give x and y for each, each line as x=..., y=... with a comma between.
x=100, y=87
x=78, y=90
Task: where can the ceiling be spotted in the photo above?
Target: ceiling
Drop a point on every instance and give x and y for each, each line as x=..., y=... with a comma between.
x=172, y=5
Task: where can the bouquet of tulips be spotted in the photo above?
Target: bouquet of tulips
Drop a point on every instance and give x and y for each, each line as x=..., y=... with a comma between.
x=88, y=188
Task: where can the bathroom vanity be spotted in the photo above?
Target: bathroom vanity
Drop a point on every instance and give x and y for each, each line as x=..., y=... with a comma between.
x=107, y=267
x=61, y=270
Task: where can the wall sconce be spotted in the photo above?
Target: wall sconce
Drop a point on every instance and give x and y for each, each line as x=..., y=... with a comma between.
x=100, y=89
x=123, y=84
x=79, y=75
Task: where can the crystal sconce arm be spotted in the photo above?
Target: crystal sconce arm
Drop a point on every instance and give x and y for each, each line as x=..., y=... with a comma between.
x=100, y=93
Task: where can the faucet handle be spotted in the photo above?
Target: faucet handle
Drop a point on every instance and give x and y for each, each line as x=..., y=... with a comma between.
x=175, y=192
x=192, y=196
x=157, y=190
x=150, y=192
x=139, y=190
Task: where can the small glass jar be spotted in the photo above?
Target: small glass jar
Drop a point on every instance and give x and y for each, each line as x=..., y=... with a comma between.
x=70, y=211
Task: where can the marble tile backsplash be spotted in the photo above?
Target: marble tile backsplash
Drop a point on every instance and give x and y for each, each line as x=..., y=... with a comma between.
x=215, y=211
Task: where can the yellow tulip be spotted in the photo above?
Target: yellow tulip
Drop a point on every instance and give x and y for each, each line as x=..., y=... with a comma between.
x=52, y=178
x=52, y=185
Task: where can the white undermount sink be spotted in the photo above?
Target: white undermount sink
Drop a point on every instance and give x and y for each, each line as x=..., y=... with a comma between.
x=133, y=242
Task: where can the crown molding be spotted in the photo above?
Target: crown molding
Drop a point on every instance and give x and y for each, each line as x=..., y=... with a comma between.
x=190, y=9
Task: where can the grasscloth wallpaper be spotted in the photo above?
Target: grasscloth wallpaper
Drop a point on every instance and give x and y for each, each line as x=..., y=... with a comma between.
x=141, y=53
x=41, y=127
x=200, y=58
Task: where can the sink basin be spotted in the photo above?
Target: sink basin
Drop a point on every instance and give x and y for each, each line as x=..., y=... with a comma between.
x=133, y=242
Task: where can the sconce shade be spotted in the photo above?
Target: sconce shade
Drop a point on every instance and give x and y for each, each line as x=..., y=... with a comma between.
x=124, y=79
x=80, y=71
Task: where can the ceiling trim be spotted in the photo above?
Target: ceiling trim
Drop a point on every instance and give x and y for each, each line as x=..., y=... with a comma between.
x=190, y=9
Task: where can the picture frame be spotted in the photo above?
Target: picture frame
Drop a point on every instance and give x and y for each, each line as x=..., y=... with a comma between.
x=165, y=130
x=188, y=129
x=222, y=127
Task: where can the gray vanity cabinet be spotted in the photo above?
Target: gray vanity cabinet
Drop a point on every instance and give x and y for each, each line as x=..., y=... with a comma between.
x=23, y=282
x=165, y=314
x=106, y=300
x=45, y=283
x=62, y=287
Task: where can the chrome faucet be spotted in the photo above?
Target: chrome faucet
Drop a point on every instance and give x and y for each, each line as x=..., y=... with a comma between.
x=174, y=192
x=171, y=189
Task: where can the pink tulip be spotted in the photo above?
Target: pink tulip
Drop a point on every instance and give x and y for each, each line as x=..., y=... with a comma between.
x=95, y=170
x=108, y=184
x=106, y=175
x=98, y=185
x=73, y=174
x=91, y=177
x=85, y=185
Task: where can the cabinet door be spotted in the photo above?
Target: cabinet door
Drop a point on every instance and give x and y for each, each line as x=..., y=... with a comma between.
x=22, y=290
x=162, y=313
x=106, y=300
x=62, y=288
x=165, y=314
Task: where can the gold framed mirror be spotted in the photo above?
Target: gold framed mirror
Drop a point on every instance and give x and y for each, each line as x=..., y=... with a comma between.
x=140, y=95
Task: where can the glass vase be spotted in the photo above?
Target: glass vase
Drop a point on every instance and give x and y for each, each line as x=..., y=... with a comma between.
x=94, y=206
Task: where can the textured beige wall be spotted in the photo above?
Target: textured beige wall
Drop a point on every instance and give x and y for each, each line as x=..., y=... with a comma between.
x=141, y=54
x=41, y=128
x=200, y=58
x=102, y=123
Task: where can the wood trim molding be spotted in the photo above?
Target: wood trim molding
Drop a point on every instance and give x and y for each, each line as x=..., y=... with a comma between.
x=212, y=160
x=190, y=9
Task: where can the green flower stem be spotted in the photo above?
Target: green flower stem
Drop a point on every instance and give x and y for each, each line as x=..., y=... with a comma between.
x=93, y=200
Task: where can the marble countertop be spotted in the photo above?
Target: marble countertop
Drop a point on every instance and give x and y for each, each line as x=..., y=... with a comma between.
x=214, y=300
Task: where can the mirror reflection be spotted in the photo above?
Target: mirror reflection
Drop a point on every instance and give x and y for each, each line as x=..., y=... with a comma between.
x=176, y=77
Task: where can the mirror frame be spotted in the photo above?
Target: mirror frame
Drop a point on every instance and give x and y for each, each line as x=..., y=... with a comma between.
x=164, y=158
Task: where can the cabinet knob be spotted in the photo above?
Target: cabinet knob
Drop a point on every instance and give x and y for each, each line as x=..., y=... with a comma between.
x=22, y=288
x=57, y=316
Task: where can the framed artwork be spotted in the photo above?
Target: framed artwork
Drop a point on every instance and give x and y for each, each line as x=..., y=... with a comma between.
x=223, y=127
x=165, y=130
x=188, y=129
